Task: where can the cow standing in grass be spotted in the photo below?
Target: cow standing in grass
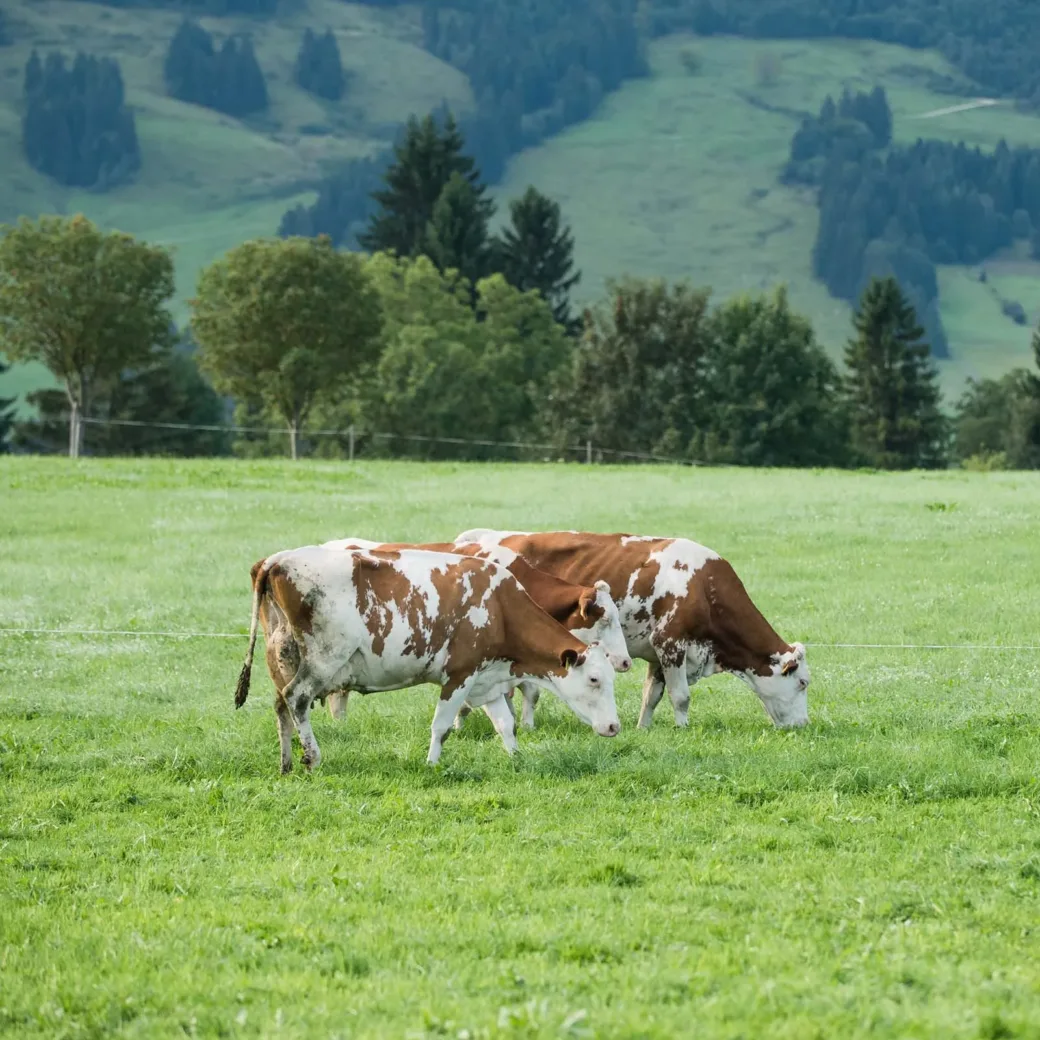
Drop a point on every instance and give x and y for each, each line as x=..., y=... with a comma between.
x=587, y=611
x=374, y=621
x=683, y=610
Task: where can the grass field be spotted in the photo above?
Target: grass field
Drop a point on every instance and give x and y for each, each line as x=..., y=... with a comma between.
x=877, y=874
x=676, y=175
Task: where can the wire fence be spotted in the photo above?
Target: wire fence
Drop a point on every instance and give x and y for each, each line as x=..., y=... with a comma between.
x=244, y=634
x=353, y=442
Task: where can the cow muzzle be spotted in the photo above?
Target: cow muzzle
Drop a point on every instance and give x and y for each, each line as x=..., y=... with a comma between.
x=610, y=729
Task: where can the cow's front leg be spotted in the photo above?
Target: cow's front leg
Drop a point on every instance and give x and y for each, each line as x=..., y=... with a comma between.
x=653, y=690
x=530, y=693
x=451, y=700
x=501, y=716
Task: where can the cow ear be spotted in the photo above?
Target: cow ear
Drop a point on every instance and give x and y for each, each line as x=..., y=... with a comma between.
x=789, y=666
x=570, y=658
x=585, y=600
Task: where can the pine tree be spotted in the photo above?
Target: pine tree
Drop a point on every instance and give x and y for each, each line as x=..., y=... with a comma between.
x=424, y=162
x=6, y=415
x=891, y=386
x=536, y=251
x=457, y=232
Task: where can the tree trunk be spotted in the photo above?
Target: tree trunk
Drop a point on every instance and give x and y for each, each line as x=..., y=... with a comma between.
x=294, y=429
x=75, y=418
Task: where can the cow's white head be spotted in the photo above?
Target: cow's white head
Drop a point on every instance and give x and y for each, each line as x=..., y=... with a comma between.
x=587, y=688
x=784, y=692
x=601, y=623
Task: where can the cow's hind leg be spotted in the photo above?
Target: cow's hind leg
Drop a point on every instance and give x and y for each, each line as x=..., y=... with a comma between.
x=300, y=694
x=530, y=693
x=285, y=730
x=501, y=716
x=678, y=686
x=653, y=691
x=463, y=712
x=338, y=704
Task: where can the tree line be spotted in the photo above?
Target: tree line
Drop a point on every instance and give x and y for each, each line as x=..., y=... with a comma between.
x=76, y=126
x=901, y=210
x=394, y=353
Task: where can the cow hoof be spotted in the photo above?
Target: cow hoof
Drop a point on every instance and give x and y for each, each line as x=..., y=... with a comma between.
x=286, y=768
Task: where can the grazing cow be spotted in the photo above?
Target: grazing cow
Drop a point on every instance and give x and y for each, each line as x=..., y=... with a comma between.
x=683, y=609
x=373, y=621
x=586, y=610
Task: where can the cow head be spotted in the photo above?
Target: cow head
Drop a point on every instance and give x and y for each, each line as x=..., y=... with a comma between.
x=600, y=622
x=587, y=688
x=784, y=692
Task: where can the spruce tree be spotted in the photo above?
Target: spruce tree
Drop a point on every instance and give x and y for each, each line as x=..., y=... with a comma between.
x=457, y=232
x=424, y=162
x=891, y=386
x=536, y=251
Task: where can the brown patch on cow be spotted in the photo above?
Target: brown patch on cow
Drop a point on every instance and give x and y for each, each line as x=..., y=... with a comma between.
x=381, y=590
x=299, y=609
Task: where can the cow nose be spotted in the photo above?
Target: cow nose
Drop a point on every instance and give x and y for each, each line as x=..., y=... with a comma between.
x=611, y=729
x=626, y=663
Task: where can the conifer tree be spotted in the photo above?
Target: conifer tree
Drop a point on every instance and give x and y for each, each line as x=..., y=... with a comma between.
x=6, y=415
x=891, y=386
x=536, y=251
x=424, y=162
x=319, y=68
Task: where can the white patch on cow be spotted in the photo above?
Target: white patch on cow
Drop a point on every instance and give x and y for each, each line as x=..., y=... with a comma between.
x=628, y=539
x=673, y=579
x=478, y=616
x=485, y=537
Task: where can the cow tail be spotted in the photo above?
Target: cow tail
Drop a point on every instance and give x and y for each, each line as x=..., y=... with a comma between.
x=259, y=588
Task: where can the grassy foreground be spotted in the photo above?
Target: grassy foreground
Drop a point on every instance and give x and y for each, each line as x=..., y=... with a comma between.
x=877, y=874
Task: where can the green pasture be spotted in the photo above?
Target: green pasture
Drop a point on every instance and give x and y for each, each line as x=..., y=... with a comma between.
x=676, y=175
x=876, y=874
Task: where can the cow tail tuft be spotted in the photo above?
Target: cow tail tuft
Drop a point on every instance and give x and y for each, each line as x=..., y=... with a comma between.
x=259, y=588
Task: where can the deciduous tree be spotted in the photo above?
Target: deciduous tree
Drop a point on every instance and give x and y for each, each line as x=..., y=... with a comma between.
x=289, y=321
x=85, y=303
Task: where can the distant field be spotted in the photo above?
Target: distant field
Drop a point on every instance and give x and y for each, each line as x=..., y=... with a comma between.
x=676, y=175
x=876, y=874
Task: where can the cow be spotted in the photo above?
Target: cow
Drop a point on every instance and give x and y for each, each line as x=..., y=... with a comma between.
x=683, y=610
x=373, y=621
x=588, y=611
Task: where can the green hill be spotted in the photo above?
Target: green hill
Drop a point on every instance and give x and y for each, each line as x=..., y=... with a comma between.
x=209, y=181
x=675, y=174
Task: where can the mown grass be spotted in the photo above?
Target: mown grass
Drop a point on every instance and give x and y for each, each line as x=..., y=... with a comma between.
x=876, y=874
x=676, y=175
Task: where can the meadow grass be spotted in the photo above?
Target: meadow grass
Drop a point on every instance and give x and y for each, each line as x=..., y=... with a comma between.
x=676, y=176
x=877, y=874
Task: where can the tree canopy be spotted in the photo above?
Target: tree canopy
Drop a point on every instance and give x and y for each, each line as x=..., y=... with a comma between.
x=85, y=303
x=285, y=321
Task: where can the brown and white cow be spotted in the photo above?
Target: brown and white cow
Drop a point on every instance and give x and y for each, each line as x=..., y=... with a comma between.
x=374, y=621
x=587, y=611
x=683, y=609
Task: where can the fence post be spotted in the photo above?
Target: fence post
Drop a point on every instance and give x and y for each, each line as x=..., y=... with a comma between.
x=350, y=440
x=588, y=453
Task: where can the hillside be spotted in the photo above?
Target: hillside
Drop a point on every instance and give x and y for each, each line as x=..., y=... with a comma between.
x=674, y=174
x=209, y=181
